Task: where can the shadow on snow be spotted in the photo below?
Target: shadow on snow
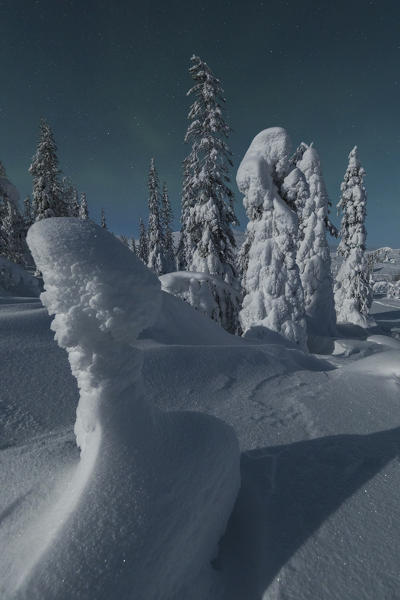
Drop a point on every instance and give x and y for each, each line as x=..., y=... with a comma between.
x=287, y=493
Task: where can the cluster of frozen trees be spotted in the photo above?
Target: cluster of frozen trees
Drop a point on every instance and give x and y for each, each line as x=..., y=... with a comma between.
x=281, y=278
x=52, y=196
x=207, y=243
x=155, y=246
x=12, y=223
x=283, y=270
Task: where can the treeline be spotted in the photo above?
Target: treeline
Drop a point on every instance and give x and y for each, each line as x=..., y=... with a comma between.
x=281, y=277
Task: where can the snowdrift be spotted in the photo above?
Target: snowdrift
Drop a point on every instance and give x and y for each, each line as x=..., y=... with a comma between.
x=141, y=514
x=206, y=293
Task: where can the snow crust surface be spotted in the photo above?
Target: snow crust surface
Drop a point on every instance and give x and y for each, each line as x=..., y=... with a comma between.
x=317, y=515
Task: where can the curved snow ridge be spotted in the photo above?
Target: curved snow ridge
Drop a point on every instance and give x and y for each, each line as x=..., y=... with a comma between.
x=159, y=487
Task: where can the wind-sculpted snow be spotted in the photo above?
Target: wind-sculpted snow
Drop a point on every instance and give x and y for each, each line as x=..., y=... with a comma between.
x=142, y=513
x=98, y=298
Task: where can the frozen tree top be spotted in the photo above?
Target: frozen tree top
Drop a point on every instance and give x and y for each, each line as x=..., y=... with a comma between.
x=353, y=158
x=271, y=148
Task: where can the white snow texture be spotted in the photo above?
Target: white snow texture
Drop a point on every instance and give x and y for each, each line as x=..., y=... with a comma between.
x=143, y=511
x=206, y=293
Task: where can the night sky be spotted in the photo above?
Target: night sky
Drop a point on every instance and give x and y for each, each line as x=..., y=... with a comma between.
x=111, y=78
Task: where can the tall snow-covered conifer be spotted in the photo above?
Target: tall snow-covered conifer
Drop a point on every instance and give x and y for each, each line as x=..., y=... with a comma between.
x=83, y=207
x=353, y=295
x=11, y=231
x=47, y=190
x=155, y=260
x=132, y=246
x=313, y=255
x=143, y=248
x=75, y=205
x=103, y=222
x=166, y=214
x=68, y=193
x=28, y=216
x=207, y=242
x=273, y=295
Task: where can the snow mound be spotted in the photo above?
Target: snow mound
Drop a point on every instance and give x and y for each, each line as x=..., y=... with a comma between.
x=16, y=281
x=381, y=288
x=206, y=293
x=142, y=514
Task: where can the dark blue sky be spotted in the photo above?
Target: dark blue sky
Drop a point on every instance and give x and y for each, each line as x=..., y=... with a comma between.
x=111, y=78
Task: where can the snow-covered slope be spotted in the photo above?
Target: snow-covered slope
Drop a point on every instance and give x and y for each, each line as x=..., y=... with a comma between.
x=317, y=514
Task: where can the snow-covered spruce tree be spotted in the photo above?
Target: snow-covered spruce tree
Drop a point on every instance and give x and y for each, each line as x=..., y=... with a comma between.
x=183, y=252
x=132, y=246
x=68, y=194
x=2, y=170
x=353, y=294
x=143, y=248
x=156, y=259
x=273, y=295
x=11, y=232
x=294, y=161
x=207, y=242
x=123, y=239
x=83, y=207
x=313, y=255
x=28, y=216
x=166, y=218
x=47, y=190
x=103, y=219
x=75, y=205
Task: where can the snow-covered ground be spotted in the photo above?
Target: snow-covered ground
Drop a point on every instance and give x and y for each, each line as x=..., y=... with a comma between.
x=317, y=514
